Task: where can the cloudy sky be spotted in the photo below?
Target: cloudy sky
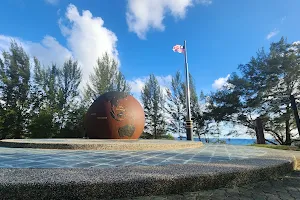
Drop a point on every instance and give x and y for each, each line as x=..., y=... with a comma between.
x=140, y=34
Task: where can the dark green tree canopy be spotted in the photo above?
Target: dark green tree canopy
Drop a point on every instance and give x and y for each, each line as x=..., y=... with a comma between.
x=153, y=100
x=262, y=89
x=106, y=77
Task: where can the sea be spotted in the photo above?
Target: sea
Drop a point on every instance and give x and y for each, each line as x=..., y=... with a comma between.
x=231, y=141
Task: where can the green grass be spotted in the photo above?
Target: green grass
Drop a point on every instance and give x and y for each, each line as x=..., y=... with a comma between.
x=281, y=147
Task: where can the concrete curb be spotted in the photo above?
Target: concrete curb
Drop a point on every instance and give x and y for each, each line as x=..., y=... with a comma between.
x=87, y=144
x=125, y=182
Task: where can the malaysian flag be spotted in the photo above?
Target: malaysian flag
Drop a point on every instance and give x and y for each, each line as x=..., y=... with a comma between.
x=178, y=48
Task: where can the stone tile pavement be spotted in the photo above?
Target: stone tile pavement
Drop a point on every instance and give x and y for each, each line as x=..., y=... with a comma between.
x=46, y=158
x=283, y=188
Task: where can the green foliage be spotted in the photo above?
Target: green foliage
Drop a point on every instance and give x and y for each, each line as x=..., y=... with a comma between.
x=146, y=135
x=41, y=125
x=153, y=101
x=175, y=106
x=262, y=89
x=14, y=91
x=55, y=91
x=168, y=137
x=106, y=77
x=74, y=125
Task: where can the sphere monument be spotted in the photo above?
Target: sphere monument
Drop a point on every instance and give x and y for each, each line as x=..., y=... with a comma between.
x=115, y=115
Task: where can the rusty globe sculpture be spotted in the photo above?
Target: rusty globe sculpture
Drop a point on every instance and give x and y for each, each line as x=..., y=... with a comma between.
x=115, y=115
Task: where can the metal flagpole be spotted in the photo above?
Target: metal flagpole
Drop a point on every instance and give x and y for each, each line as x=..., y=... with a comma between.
x=189, y=122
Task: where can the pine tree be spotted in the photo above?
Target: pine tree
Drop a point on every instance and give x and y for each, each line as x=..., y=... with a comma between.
x=55, y=100
x=106, y=77
x=45, y=98
x=175, y=107
x=71, y=110
x=14, y=91
x=153, y=101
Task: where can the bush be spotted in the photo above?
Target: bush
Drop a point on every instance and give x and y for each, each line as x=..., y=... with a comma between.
x=164, y=137
x=168, y=137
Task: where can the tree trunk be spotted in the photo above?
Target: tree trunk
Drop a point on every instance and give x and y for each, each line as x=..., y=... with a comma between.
x=259, y=130
x=287, y=132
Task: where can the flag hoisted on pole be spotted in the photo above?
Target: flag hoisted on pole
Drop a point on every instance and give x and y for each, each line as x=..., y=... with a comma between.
x=189, y=123
x=178, y=48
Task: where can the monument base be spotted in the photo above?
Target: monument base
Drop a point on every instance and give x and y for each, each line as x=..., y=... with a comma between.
x=97, y=144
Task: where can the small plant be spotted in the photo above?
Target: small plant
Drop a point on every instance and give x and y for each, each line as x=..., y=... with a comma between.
x=222, y=141
x=168, y=137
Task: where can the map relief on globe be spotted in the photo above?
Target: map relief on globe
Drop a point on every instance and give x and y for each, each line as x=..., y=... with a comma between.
x=115, y=115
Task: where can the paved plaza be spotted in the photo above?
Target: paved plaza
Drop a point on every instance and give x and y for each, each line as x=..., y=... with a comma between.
x=45, y=158
x=240, y=172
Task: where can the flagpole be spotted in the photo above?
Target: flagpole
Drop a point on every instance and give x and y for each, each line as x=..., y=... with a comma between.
x=189, y=122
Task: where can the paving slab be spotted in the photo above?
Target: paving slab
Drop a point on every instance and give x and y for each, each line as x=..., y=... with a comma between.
x=99, y=174
x=28, y=157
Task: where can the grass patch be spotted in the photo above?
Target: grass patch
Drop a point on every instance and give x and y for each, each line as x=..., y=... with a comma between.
x=281, y=147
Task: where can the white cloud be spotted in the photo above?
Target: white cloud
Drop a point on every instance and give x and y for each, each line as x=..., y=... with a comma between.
x=272, y=34
x=87, y=38
x=53, y=2
x=220, y=82
x=48, y=51
x=5, y=42
x=143, y=15
x=138, y=84
x=164, y=80
x=283, y=19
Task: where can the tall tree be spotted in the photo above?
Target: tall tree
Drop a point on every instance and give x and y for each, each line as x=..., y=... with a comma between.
x=153, y=101
x=282, y=81
x=175, y=107
x=41, y=116
x=14, y=90
x=263, y=89
x=71, y=110
x=106, y=77
x=46, y=100
x=55, y=99
x=202, y=121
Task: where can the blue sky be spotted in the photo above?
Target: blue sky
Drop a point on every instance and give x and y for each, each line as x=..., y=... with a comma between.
x=220, y=34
